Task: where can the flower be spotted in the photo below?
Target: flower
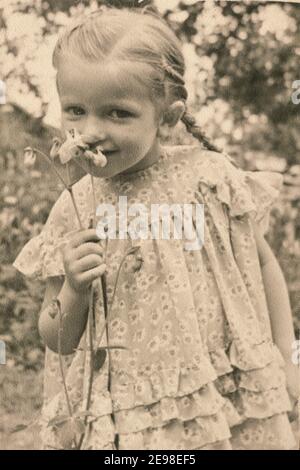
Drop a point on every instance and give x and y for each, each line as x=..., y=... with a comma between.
x=135, y=263
x=138, y=262
x=98, y=158
x=72, y=147
x=75, y=146
x=56, y=144
x=29, y=157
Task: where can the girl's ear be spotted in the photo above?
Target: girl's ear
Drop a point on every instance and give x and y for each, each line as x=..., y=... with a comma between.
x=173, y=113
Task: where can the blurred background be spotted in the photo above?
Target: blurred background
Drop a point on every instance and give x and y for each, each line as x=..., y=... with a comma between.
x=242, y=59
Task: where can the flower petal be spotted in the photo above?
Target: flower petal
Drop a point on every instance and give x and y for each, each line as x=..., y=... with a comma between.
x=101, y=158
x=98, y=158
x=73, y=136
x=89, y=155
x=29, y=157
x=56, y=144
x=68, y=151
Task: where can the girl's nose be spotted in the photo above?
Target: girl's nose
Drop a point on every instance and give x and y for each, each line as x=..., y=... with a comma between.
x=93, y=131
x=93, y=138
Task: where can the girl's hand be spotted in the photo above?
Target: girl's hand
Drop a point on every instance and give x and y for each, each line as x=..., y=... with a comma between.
x=83, y=259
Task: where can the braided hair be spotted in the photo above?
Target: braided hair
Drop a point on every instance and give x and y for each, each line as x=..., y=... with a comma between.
x=139, y=35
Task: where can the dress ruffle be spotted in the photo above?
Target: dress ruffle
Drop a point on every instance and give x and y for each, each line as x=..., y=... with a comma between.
x=150, y=411
x=241, y=191
x=259, y=392
x=151, y=415
x=41, y=257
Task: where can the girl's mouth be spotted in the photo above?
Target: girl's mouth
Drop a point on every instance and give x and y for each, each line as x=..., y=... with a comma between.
x=105, y=152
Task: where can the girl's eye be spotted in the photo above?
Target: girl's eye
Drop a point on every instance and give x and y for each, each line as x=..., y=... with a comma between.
x=122, y=113
x=75, y=109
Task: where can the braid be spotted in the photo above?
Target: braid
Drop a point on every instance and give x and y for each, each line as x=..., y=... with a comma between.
x=192, y=127
x=187, y=118
x=177, y=76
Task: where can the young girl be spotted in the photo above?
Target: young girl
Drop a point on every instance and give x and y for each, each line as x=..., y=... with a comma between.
x=206, y=334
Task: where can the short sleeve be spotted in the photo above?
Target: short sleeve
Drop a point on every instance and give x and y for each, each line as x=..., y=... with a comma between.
x=41, y=257
x=253, y=192
x=265, y=188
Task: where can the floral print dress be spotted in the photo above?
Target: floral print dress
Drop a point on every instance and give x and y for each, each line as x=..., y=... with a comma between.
x=200, y=370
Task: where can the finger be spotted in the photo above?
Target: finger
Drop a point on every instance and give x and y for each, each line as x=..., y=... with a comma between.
x=94, y=273
x=83, y=237
x=87, y=262
x=88, y=248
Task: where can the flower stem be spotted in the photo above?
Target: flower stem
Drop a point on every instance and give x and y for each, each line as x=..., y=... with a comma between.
x=113, y=296
x=67, y=186
x=90, y=330
x=94, y=198
x=75, y=206
x=68, y=173
x=53, y=166
x=61, y=364
x=70, y=411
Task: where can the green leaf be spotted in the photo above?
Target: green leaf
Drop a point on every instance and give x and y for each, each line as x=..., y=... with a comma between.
x=19, y=427
x=133, y=250
x=83, y=414
x=99, y=359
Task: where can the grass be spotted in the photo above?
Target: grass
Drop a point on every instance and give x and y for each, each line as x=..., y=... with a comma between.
x=21, y=399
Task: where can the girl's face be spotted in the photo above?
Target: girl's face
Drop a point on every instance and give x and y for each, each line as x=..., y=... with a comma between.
x=114, y=110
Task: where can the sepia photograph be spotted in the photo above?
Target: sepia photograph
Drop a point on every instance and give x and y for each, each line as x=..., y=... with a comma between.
x=149, y=259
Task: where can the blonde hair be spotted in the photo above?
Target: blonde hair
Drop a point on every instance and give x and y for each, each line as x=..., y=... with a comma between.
x=138, y=35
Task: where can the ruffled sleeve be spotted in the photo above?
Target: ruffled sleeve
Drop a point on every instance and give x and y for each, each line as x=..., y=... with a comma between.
x=242, y=191
x=41, y=257
x=264, y=188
